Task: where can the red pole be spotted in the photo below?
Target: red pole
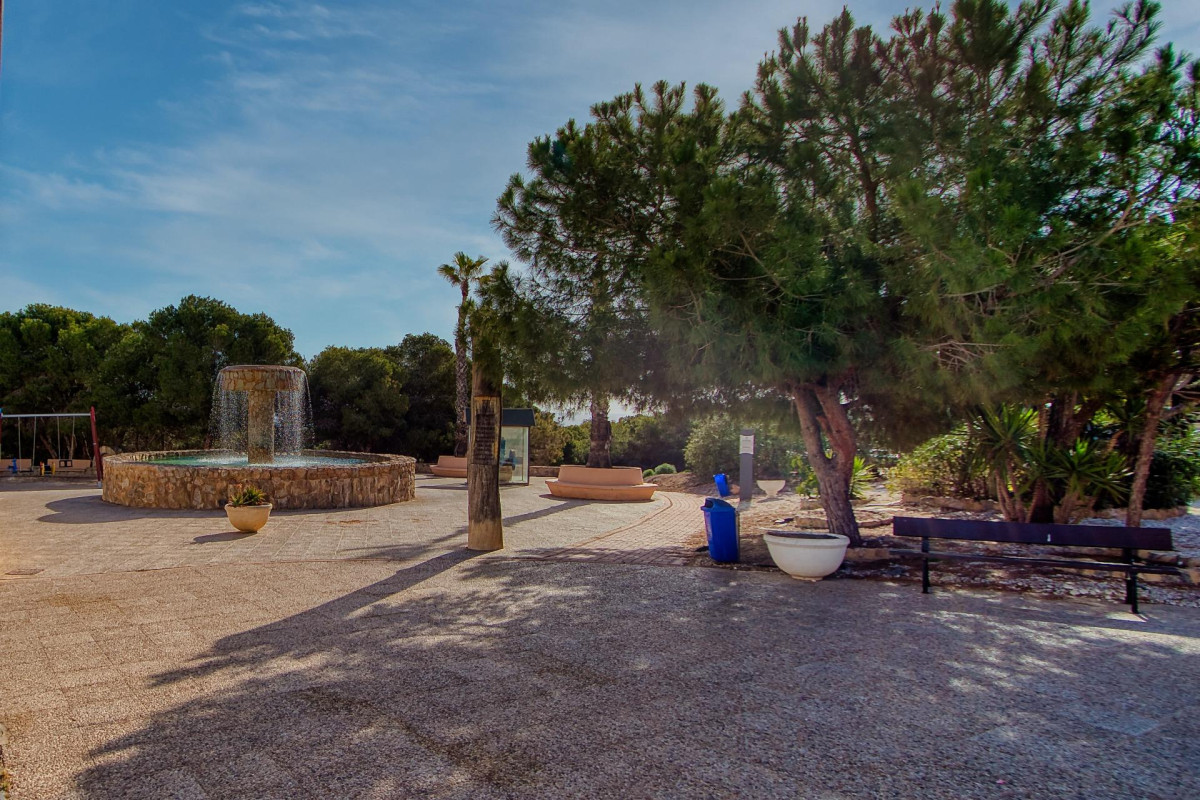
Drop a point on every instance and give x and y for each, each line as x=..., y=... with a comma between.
x=96, y=448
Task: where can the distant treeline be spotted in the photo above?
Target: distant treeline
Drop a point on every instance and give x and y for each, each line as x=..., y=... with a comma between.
x=152, y=380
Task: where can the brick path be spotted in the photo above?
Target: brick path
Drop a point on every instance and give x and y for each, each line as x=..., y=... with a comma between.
x=667, y=536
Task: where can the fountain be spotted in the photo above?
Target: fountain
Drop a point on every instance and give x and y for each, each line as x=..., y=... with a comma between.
x=248, y=401
x=261, y=418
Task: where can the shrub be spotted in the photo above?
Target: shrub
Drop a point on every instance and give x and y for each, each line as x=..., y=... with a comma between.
x=713, y=448
x=645, y=439
x=942, y=466
x=578, y=442
x=647, y=474
x=547, y=440
x=806, y=479
x=1174, y=472
x=665, y=469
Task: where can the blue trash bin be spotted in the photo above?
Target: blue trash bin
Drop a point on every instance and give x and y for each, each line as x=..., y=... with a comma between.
x=721, y=527
x=722, y=484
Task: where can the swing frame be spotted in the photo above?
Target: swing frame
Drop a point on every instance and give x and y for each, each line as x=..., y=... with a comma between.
x=97, y=458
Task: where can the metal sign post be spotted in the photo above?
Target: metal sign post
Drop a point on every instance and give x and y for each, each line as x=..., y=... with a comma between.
x=746, y=474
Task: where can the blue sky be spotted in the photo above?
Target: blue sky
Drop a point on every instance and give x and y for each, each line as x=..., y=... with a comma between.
x=318, y=161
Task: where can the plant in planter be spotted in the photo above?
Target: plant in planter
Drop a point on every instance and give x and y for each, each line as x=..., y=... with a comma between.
x=248, y=509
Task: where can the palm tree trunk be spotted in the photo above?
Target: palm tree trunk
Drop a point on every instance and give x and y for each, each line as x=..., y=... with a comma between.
x=462, y=387
x=601, y=434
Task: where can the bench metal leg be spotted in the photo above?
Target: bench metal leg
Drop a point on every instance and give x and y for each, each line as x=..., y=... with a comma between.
x=925, y=567
x=1131, y=590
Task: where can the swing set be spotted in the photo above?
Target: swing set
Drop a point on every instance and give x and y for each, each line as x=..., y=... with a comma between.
x=55, y=462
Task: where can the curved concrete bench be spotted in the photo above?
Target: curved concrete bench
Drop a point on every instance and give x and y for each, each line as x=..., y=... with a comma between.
x=591, y=483
x=450, y=467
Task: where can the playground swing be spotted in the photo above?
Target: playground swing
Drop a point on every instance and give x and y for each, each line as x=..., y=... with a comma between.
x=58, y=464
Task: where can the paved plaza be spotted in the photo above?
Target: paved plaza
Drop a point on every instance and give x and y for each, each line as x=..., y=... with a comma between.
x=365, y=653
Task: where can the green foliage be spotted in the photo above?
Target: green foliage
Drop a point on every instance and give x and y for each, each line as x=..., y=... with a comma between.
x=957, y=211
x=172, y=360
x=647, y=474
x=806, y=484
x=426, y=364
x=575, y=450
x=1078, y=476
x=547, y=440
x=1019, y=462
x=713, y=448
x=248, y=496
x=151, y=382
x=49, y=362
x=357, y=399
x=398, y=399
x=1174, y=471
x=649, y=439
x=665, y=469
x=944, y=466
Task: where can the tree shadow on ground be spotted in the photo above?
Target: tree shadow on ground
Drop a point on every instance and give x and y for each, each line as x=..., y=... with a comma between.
x=486, y=678
x=92, y=510
x=409, y=551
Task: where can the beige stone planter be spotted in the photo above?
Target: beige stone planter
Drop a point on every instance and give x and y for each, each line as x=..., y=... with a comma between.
x=248, y=519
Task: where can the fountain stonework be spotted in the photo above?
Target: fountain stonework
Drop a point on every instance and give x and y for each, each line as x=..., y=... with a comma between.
x=262, y=386
x=260, y=414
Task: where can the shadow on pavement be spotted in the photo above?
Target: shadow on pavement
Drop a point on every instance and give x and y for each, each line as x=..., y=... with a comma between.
x=493, y=678
x=91, y=510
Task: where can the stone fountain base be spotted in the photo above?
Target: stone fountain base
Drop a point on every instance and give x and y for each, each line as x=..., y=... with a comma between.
x=133, y=479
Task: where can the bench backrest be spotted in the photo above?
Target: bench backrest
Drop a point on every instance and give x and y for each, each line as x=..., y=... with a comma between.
x=612, y=476
x=1035, y=533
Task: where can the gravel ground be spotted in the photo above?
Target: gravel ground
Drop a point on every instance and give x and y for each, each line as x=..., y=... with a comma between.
x=874, y=516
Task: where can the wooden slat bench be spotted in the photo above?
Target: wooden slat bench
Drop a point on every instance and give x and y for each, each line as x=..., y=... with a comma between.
x=1128, y=540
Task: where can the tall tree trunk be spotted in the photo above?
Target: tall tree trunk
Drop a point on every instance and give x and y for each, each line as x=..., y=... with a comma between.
x=601, y=434
x=462, y=389
x=1155, y=403
x=485, y=526
x=820, y=412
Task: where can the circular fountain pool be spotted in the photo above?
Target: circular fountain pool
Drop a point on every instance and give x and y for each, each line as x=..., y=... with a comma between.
x=261, y=417
x=204, y=479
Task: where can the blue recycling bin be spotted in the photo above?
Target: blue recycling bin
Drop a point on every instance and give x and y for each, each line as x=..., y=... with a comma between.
x=721, y=527
x=722, y=484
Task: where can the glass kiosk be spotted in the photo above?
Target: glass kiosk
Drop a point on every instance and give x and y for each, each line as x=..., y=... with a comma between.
x=514, y=444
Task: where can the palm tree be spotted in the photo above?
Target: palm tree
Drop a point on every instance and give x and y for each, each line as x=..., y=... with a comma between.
x=462, y=272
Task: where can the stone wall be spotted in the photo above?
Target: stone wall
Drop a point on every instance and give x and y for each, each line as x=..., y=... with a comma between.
x=132, y=479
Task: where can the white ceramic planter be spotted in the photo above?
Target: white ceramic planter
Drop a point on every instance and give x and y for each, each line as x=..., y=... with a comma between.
x=807, y=556
x=771, y=487
x=248, y=519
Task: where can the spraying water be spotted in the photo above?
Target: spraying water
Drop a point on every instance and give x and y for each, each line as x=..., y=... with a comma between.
x=262, y=410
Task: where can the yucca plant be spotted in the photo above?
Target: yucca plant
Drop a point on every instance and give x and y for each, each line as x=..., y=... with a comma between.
x=806, y=480
x=248, y=496
x=1003, y=439
x=1079, y=476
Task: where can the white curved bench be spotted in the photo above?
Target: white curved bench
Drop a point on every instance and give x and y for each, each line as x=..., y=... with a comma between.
x=593, y=483
x=450, y=467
